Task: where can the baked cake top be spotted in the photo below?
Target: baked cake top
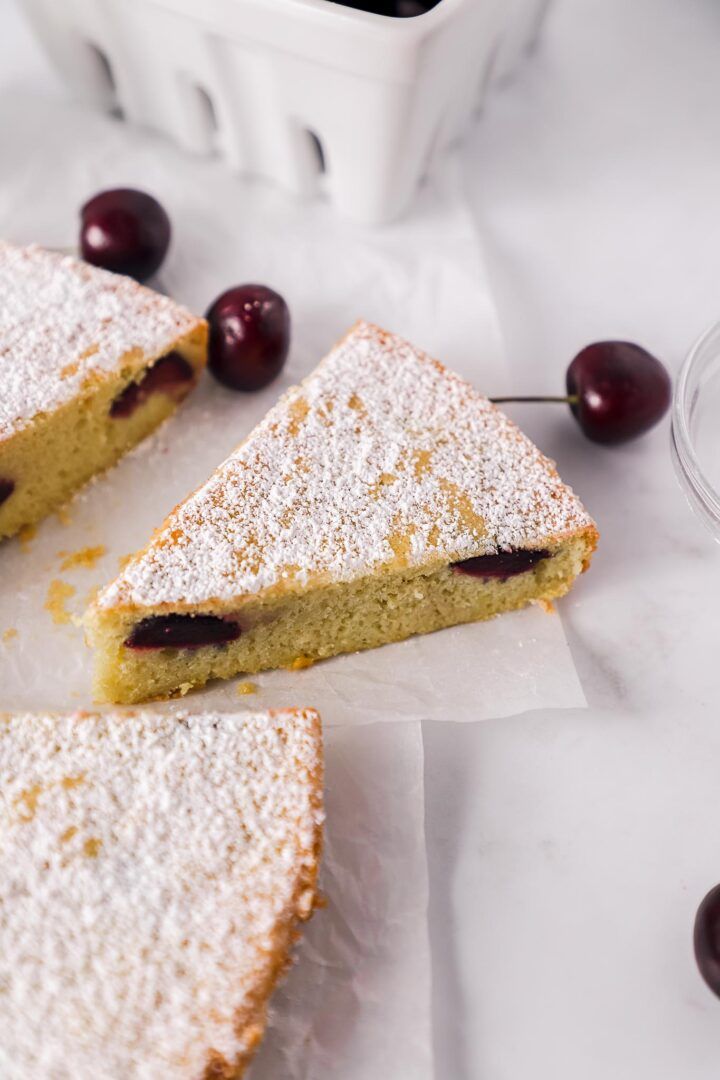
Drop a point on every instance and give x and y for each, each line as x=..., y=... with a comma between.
x=64, y=322
x=145, y=862
x=381, y=459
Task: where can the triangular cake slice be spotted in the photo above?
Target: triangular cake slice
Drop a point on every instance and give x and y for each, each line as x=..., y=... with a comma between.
x=90, y=363
x=153, y=869
x=383, y=497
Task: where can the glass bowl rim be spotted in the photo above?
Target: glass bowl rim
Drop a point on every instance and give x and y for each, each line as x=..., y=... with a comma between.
x=684, y=397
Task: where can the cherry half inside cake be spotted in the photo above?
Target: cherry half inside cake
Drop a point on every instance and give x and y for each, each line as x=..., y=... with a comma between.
x=171, y=375
x=502, y=565
x=6, y=489
x=182, y=632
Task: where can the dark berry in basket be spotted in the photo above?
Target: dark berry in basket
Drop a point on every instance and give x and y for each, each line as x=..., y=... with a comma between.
x=397, y=9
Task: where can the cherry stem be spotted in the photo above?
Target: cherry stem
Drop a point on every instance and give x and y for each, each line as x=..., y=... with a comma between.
x=571, y=399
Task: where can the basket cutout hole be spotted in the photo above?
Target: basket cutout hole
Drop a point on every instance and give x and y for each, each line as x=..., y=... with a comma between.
x=106, y=83
x=207, y=112
x=201, y=114
x=317, y=152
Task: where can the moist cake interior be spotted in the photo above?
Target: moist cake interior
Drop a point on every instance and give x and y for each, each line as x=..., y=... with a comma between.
x=154, y=656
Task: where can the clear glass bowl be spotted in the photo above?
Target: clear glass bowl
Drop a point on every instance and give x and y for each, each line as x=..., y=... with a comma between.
x=696, y=428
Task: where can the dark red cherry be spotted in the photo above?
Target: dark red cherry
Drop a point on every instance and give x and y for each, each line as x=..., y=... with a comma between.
x=181, y=632
x=171, y=375
x=125, y=231
x=399, y=9
x=502, y=565
x=706, y=939
x=6, y=489
x=249, y=336
x=621, y=390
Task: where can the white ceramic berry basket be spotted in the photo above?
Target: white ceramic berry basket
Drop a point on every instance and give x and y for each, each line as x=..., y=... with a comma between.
x=311, y=94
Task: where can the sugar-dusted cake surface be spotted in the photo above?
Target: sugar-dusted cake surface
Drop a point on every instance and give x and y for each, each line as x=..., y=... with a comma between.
x=381, y=459
x=343, y=522
x=152, y=872
x=64, y=323
x=73, y=340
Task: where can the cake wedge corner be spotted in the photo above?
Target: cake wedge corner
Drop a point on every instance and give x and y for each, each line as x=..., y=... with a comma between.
x=91, y=363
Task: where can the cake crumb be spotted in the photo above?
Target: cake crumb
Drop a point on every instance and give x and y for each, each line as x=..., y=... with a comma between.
x=123, y=560
x=91, y=847
x=246, y=688
x=86, y=556
x=63, y=515
x=301, y=662
x=26, y=535
x=183, y=689
x=57, y=595
x=27, y=800
x=547, y=606
x=70, y=782
x=9, y=634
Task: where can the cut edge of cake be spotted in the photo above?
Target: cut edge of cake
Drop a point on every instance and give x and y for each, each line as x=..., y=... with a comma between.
x=62, y=775
x=368, y=483
x=92, y=362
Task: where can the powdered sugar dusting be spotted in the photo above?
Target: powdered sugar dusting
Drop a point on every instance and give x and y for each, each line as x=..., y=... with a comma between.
x=382, y=458
x=145, y=861
x=62, y=320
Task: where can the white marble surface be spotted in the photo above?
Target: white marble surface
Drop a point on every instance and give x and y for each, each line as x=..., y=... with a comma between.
x=586, y=839
x=569, y=849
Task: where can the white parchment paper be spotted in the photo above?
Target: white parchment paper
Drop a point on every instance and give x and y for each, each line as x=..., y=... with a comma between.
x=356, y=1005
x=422, y=277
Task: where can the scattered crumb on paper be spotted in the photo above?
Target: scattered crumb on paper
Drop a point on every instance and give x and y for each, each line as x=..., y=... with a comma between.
x=9, y=634
x=26, y=535
x=246, y=688
x=58, y=593
x=86, y=556
x=91, y=847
